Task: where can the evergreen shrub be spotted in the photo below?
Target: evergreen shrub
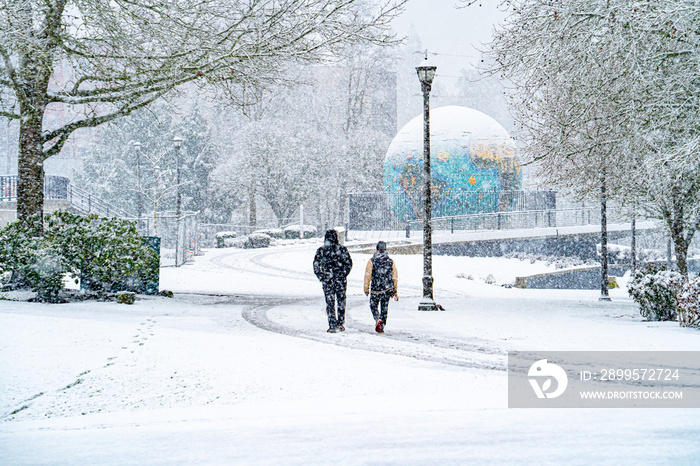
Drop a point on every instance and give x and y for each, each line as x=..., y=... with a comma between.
x=126, y=297
x=105, y=254
x=276, y=233
x=31, y=262
x=294, y=232
x=689, y=304
x=656, y=291
x=257, y=240
x=223, y=236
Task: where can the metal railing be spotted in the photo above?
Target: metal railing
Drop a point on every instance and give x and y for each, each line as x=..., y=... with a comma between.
x=392, y=210
x=522, y=219
x=59, y=188
x=55, y=188
x=86, y=204
x=570, y=217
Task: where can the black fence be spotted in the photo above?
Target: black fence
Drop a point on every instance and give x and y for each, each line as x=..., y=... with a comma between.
x=59, y=188
x=86, y=203
x=395, y=211
x=55, y=188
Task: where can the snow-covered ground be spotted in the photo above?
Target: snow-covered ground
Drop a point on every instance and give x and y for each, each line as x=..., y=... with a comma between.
x=238, y=369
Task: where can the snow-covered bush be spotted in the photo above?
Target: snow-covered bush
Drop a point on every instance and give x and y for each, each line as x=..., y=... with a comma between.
x=15, y=251
x=277, y=233
x=223, y=238
x=656, y=291
x=105, y=254
x=31, y=261
x=294, y=232
x=490, y=279
x=45, y=272
x=689, y=304
x=257, y=240
x=126, y=297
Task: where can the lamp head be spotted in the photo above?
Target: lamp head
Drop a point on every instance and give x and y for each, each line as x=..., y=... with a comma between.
x=177, y=142
x=426, y=72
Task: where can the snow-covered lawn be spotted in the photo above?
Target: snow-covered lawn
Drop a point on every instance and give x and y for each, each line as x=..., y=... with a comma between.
x=238, y=368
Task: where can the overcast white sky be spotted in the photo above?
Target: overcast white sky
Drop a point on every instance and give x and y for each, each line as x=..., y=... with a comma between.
x=455, y=34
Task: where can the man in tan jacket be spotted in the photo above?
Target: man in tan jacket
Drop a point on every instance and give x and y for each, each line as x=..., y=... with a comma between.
x=381, y=283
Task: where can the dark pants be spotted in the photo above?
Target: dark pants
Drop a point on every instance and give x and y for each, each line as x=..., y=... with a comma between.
x=335, y=291
x=375, y=300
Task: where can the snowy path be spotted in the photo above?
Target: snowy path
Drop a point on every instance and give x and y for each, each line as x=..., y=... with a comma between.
x=361, y=336
x=238, y=369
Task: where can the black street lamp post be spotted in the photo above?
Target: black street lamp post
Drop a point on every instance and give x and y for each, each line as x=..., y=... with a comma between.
x=177, y=143
x=604, y=296
x=426, y=73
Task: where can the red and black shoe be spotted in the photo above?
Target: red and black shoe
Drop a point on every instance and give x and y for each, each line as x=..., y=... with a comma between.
x=332, y=330
x=379, y=328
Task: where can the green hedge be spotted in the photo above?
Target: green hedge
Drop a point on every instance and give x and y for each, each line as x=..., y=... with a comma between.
x=105, y=254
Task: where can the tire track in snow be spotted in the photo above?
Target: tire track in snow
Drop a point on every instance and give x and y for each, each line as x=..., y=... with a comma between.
x=449, y=351
x=404, y=344
x=475, y=345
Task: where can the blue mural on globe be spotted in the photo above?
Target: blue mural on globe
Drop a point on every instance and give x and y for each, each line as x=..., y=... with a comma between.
x=472, y=160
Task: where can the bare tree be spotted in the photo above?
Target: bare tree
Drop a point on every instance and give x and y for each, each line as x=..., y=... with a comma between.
x=99, y=60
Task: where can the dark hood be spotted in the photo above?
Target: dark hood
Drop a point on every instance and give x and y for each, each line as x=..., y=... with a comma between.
x=331, y=236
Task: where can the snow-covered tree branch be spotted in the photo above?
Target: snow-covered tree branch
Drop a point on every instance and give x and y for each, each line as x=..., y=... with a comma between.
x=101, y=60
x=606, y=87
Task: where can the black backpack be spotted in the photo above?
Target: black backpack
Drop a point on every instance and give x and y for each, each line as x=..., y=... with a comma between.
x=382, y=267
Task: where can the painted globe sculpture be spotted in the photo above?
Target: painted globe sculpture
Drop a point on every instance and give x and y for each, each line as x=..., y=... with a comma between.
x=472, y=164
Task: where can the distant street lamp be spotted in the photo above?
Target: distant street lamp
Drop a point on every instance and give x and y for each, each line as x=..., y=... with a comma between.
x=177, y=143
x=604, y=280
x=426, y=73
x=139, y=198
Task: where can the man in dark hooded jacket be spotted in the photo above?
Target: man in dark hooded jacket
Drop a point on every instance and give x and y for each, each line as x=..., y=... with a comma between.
x=332, y=265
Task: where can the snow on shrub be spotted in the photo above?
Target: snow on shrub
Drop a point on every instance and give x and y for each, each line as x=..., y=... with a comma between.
x=689, y=304
x=31, y=262
x=276, y=233
x=656, y=291
x=105, y=254
x=293, y=232
x=126, y=297
x=223, y=239
x=257, y=240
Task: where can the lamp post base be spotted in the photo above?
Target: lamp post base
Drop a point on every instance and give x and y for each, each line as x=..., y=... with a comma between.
x=427, y=304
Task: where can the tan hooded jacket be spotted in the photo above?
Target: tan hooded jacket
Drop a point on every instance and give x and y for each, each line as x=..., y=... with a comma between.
x=368, y=278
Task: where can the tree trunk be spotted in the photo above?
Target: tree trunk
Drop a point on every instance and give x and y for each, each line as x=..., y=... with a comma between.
x=677, y=230
x=253, y=220
x=681, y=249
x=341, y=203
x=30, y=170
